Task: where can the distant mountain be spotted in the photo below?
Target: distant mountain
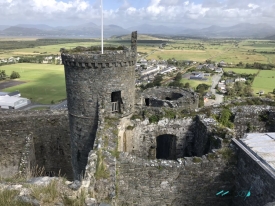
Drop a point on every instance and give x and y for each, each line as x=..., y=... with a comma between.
x=83, y=30
x=35, y=26
x=20, y=31
x=155, y=29
x=270, y=37
x=245, y=30
x=2, y=27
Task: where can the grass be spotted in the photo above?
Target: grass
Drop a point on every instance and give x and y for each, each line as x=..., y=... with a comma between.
x=40, y=108
x=7, y=197
x=241, y=70
x=101, y=171
x=44, y=82
x=195, y=83
x=265, y=81
x=46, y=194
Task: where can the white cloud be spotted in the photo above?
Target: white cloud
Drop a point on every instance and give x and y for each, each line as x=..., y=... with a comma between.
x=253, y=6
x=177, y=12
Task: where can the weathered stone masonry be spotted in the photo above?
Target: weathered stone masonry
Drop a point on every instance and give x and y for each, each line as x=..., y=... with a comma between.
x=96, y=82
x=42, y=133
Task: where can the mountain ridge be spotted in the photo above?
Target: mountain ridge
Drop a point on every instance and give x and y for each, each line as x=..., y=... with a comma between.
x=90, y=29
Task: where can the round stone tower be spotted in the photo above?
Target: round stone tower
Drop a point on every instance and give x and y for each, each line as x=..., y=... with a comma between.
x=94, y=82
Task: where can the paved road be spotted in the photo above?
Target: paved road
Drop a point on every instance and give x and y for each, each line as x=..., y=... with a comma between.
x=62, y=105
x=219, y=98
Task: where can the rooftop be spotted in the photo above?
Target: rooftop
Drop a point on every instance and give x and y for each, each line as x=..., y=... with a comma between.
x=263, y=145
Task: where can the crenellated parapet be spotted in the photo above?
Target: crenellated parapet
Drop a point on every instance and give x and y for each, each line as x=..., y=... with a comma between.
x=97, y=61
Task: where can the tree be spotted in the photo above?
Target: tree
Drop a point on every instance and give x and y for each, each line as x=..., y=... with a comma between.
x=178, y=77
x=14, y=75
x=273, y=91
x=187, y=85
x=157, y=81
x=3, y=74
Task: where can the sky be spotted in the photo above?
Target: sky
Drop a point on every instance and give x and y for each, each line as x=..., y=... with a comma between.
x=128, y=13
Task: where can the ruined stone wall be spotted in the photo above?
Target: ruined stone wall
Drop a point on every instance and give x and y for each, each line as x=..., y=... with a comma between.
x=171, y=97
x=141, y=139
x=49, y=131
x=193, y=137
x=247, y=119
x=189, y=182
x=254, y=177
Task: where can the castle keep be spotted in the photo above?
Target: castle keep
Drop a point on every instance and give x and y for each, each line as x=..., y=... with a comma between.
x=94, y=82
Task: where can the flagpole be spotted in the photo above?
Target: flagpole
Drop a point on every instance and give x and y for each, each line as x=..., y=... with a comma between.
x=101, y=27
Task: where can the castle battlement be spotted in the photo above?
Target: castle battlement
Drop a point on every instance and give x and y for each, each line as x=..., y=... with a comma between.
x=95, y=60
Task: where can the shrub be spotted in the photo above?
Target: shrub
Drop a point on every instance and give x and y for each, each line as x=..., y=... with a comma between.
x=153, y=119
x=14, y=75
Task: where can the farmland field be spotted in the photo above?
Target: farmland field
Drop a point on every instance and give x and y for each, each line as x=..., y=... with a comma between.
x=231, y=51
x=195, y=83
x=241, y=70
x=44, y=82
x=265, y=81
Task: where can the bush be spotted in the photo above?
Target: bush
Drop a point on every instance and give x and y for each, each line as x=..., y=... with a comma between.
x=14, y=75
x=153, y=119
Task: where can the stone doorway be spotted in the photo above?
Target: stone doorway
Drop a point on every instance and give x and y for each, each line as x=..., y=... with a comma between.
x=166, y=147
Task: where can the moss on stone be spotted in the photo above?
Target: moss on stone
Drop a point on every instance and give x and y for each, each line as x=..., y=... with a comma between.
x=197, y=159
x=101, y=170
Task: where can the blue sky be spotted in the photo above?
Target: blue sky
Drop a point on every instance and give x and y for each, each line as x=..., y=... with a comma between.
x=127, y=13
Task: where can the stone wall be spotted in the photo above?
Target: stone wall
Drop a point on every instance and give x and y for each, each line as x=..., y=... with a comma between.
x=141, y=140
x=192, y=137
x=247, y=119
x=171, y=97
x=49, y=132
x=253, y=176
x=188, y=181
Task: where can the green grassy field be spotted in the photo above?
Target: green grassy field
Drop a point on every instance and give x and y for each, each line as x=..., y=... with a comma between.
x=231, y=51
x=241, y=71
x=44, y=82
x=265, y=81
x=195, y=83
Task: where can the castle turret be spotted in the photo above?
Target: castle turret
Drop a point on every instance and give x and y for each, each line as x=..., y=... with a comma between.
x=94, y=82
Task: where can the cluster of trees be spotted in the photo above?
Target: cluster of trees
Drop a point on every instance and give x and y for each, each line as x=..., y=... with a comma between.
x=201, y=90
x=156, y=82
x=249, y=77
x=177, y=82
x=14, y=75
x=226, y=118
x=240, y=89
x=37, y=59
x=256, y=65
x=178, y=63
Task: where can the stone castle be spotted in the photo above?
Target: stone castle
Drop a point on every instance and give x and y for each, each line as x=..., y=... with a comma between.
x=107, y=140
x=96, y=82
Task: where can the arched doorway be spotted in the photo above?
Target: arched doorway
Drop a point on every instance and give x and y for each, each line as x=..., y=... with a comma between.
x=166, y=147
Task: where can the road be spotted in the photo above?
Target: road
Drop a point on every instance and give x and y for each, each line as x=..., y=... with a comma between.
x=62, y=105
x=219, y=98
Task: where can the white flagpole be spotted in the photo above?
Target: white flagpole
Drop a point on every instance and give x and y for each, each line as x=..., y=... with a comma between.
x=101, y=27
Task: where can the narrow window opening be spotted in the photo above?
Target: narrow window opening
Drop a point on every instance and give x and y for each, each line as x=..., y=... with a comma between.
x=147, y=102
x=116, y=101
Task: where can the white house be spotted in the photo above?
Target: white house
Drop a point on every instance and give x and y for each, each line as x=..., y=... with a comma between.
x=10, y=102
x=240, y=80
